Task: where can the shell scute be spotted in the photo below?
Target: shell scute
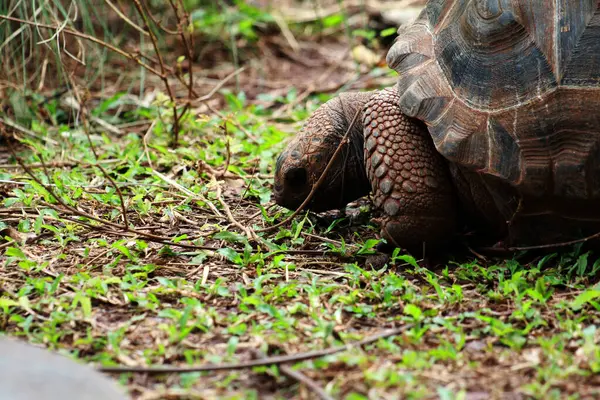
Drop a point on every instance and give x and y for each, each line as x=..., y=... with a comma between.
x=509, y=89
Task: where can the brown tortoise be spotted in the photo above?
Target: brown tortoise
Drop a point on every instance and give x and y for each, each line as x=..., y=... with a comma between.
x=494, y=125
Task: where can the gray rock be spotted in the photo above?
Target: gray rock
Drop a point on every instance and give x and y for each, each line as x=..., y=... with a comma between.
x=32, y=373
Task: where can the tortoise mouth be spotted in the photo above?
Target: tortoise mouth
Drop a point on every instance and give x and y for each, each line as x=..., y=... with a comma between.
x=292, y=188
x=293, y=185
x=291, y=203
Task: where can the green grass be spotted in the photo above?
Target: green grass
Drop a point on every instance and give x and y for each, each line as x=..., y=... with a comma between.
x=519, y=327
x=114, y=299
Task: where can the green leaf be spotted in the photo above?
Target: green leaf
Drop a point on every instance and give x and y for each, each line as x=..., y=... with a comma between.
x=123, y=249
x=388, y=32
x=584, y=298
x=24, y=302
x=15, y=252
x=582, y=263
x=230, y=254
x=404, y=257
x=85, y=303
x=356, y=396
x=534, y=294
x=180, y=238
x=413, y=311
x=368, y=247
x=231, y=237
x=333, y=20
x=199, y=259
x=6, y=302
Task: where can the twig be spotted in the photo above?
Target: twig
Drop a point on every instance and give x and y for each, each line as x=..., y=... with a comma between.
x=87, y=37
x=321, y=178
x=86, y=130
x=124, y=17
x=163, y=74
x=147, y=236
x=233, y=121
x=285, y=30
x=167, y=241
x=214, y=90
x=61, y=164
x=323, y=271
x=157, y=22
x=300, y=377
x=553, y=245
x=145, y=142
x=248, y=231
x=188, y=44
x=89, y=216
x=188, y=192
x=24, y=130
x=309, y=383
x=47, y=187
x=509, y=223
x=276, y=360
x=476, y=254
x=6, y=244
x=73, y=104
x=121, y=230
x=228, y=148
x=86, y=187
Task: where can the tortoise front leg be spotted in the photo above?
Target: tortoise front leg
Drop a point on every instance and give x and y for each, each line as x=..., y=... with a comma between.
x=410, y=180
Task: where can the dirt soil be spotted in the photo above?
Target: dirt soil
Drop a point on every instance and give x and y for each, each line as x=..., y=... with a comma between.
x=193, y=274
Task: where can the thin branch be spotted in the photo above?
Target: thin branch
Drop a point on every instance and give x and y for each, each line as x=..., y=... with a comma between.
x=125, y=18
x=248, y=231
x=163, y=75
x=87, y=215
x=85, y=124
x=320, y=180
x=285, y=31
x=219, y=85
x=305, y=380
x=551, y=245
x=300, y=377
x=187, y=192
x=90, y=38
x=61, y=164
x=25, y=131
x=157, y=22
x=233, y=122
x=188, y=46
x=276, y=360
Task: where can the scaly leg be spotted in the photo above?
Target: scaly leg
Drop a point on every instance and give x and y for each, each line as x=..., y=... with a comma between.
x=410, y=180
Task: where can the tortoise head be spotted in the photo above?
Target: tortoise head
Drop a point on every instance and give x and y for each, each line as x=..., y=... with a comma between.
x=305, y=158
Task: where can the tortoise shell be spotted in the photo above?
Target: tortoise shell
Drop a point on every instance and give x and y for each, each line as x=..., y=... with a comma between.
x=509, y=88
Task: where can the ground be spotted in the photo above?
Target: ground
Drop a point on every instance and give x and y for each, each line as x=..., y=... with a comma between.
x=121, y=248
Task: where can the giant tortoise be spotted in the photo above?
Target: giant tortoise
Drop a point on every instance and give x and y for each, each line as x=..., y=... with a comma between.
x=493, y=126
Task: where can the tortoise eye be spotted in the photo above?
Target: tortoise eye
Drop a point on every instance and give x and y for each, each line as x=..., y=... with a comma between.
x=296, y=177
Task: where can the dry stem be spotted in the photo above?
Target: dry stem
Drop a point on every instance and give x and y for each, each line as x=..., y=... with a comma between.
x=276, y=360
x=321, y=178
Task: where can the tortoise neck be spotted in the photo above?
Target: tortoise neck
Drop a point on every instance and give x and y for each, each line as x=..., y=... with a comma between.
x=355, y=183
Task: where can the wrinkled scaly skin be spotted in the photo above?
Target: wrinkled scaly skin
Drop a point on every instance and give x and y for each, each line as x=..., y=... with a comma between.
x=307, y=155
x=410, y=180
x=389, y=154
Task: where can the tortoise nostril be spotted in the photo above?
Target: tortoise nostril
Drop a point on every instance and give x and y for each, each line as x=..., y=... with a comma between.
x=296, y=177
